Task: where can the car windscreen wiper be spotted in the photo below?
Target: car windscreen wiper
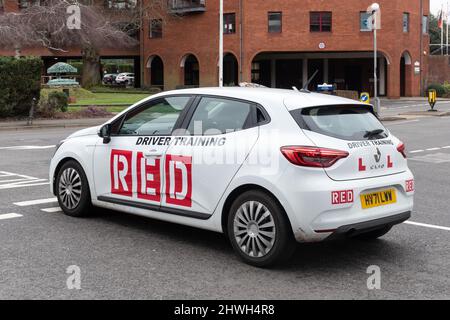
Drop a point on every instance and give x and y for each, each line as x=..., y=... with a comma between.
x=373, y=133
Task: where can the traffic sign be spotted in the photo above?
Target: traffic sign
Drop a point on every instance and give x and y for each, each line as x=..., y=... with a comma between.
x=365, y=98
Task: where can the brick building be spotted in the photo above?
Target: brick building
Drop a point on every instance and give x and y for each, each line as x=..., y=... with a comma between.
x=282, y=43
x=276, y=43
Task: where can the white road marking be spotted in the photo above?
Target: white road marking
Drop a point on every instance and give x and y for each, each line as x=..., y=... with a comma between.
x=27, y=147
x=396, y=123
x=427, y=225
x=433, y=158
x=52, y=210
x=12, y=186
x=430, y=149
x=15, y=180
x=34, y=202
x=9, y=216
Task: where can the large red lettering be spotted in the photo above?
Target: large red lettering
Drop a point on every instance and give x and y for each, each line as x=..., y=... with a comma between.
x=178, y=180
x=121, y=178
x=148, y=178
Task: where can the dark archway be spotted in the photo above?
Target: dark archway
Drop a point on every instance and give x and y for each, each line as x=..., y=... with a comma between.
x=405, y=75
x=191, y=71
x=230, y=70
x=157, y=72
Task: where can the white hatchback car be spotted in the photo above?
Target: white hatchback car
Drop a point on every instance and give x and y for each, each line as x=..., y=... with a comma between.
x=125, y=78
x=264, y=166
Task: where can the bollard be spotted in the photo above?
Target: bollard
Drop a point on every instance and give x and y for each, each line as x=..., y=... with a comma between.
x=432, y=99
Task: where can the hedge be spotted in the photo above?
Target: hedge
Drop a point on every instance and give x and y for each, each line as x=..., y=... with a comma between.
x=20, y=82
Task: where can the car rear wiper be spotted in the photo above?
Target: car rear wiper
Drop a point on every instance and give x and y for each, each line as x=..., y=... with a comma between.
x=373, y=133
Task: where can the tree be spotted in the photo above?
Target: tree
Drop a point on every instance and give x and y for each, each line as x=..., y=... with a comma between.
x=63, y=24
x=435, y=34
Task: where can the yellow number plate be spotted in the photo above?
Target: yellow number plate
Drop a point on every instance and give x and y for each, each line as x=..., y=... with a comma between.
x=377, y=199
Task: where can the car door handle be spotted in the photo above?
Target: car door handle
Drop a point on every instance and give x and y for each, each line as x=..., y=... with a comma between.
x=153, y=154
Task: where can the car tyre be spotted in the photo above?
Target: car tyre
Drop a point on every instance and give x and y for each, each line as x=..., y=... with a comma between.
x=375, y=234
x=72, y=190
x=259, y=230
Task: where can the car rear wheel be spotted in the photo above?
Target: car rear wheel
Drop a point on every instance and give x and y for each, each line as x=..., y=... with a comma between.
x=72, y=188
x=259, y=230
x=375, y=234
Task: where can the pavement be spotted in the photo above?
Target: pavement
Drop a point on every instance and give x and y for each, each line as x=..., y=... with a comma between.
x=122, y=256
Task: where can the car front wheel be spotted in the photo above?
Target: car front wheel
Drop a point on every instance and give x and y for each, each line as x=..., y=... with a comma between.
x=73, y=190
x=259, y=230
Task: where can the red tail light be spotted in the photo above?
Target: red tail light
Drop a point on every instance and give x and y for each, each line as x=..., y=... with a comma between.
x=313, y=156
x=402, y=149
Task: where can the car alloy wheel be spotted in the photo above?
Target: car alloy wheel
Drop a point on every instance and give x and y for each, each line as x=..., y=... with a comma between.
x=254, y=229
x=70, y=188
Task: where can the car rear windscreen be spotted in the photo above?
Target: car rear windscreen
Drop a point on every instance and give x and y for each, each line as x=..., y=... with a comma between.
x=342, y=122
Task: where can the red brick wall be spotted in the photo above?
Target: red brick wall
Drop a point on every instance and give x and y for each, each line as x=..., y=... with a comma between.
x=438, y=69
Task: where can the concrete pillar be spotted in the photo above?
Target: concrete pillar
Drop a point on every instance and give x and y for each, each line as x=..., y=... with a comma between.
x=382, y=77
x=325, y=70
x=273, y=73
x=305, y=71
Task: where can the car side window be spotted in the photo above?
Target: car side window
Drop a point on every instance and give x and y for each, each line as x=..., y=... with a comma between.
x=155, y=118
x=219, y=116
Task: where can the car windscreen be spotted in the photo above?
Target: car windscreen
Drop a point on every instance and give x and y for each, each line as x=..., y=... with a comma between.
x=346, y=122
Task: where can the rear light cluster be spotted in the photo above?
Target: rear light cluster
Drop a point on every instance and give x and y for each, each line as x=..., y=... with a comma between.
x=313, y=156
x=402, y=149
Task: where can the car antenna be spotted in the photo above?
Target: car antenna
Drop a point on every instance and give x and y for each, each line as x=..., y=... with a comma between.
x=305, y=87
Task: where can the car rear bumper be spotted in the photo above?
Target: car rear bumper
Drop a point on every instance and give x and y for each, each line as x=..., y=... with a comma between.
x=367, y=226
x=315, y=217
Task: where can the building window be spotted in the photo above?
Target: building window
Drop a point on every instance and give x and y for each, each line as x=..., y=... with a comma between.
x=405, y=22
x=425, y=24
x=256, y=72
x=275, y=22
x=155, y=28
x=120, y=4
x=320, y=21
x=229, y=23
x=364, y=21
x=23, y=4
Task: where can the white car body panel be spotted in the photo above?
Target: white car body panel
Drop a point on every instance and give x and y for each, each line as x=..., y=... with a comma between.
x=304, y=193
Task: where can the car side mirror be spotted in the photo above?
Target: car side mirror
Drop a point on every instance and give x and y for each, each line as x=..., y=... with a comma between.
x=105, y=133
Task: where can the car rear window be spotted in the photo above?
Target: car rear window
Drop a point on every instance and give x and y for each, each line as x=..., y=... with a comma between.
x=341, y=122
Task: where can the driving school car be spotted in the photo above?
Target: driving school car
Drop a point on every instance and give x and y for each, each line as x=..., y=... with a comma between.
x=266, y=167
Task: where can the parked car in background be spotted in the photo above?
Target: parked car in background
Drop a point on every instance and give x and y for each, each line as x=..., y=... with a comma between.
x=109, y=78
x=125, y=78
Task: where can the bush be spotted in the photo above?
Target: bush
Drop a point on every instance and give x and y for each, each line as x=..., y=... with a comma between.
x=53, y=102
x=58, y=100
x=441, y=90
x=93, y=112
x=20, y=83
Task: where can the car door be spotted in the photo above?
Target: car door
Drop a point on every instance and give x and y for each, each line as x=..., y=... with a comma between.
x=202, y=162
x=129, y=168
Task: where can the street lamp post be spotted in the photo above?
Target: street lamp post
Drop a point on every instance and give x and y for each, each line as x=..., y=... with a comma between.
x=374, y=9
x=221, y=43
